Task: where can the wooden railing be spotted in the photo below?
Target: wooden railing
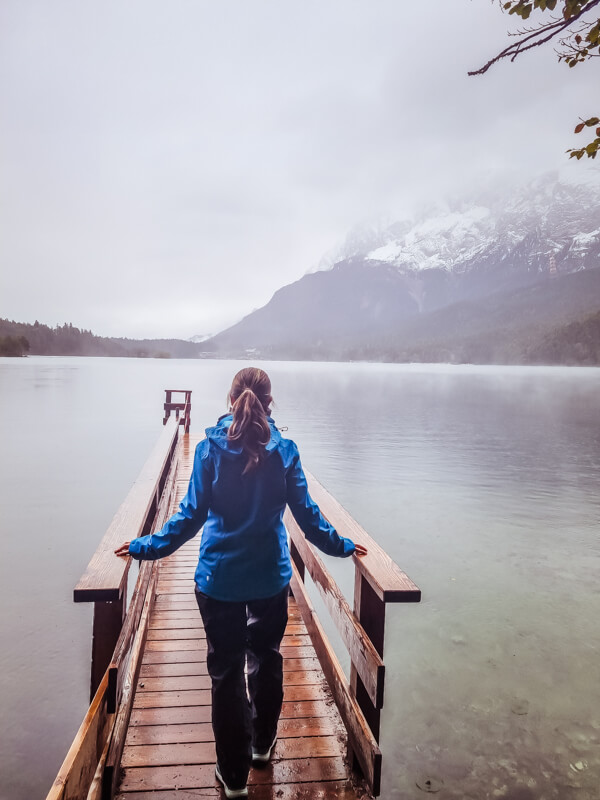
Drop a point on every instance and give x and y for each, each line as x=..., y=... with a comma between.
x=90, y=769
x=104, y=581
x=179, y=406
x=378, y=580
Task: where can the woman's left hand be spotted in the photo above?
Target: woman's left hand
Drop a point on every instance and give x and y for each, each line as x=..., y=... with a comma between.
x=123, y=550
x=359, y=550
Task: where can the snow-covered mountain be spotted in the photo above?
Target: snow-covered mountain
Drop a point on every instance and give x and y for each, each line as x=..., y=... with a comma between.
x=390, y=282
x=551, y=217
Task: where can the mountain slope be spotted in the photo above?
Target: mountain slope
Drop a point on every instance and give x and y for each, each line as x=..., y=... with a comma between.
x=505, y=327
x=346, y=300
x=484, y=267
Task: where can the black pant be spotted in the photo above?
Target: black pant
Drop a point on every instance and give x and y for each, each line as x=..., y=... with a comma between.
x=236, y=632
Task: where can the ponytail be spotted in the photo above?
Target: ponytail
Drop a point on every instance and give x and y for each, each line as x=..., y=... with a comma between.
x=250, y=398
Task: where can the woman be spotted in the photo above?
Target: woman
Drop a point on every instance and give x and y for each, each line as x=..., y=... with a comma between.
x=244, y=474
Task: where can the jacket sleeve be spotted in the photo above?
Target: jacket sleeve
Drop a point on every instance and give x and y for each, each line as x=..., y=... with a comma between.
x=185, y=523
x=307, y=514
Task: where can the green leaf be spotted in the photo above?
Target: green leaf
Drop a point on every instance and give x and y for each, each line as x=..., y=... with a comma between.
x=522, y=9
x=571, y=7
x=592, y=121
x=593, y=35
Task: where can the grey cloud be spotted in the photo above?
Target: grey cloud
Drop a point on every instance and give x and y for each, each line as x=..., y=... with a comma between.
x=167, y=167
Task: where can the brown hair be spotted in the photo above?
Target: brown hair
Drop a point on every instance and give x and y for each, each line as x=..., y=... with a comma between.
x=250, y=399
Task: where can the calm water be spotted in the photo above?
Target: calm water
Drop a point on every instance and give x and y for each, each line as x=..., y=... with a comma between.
x=481, y=482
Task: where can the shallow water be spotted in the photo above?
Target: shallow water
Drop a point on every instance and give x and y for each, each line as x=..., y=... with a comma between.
x=481, y=482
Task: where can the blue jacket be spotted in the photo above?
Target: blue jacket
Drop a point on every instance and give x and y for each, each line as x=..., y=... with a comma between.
x=244, y=551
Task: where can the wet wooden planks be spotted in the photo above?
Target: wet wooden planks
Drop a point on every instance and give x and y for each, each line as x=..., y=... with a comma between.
x=170, y=746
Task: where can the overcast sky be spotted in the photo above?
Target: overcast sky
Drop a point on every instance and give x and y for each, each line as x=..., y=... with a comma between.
x=165, y=167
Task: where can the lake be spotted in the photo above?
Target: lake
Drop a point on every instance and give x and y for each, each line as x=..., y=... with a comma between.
x=481, y=482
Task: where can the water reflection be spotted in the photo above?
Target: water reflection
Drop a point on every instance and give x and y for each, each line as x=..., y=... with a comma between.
x=483, y=485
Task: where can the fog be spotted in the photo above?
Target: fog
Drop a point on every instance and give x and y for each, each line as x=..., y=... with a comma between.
x=166, y=167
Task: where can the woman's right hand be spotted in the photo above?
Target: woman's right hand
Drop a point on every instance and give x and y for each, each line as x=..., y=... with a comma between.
x=359, y=550
x=123, y=550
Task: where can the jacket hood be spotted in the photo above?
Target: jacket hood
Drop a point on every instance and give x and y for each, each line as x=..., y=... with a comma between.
x=218, y=435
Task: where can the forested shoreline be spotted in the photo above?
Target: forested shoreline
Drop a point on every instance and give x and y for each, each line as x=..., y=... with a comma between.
x=14, y=346
x=576, y=343
x=67, y=340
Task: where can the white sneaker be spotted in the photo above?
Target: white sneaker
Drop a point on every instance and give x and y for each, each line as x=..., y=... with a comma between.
x=230, y=792
x=264, y=755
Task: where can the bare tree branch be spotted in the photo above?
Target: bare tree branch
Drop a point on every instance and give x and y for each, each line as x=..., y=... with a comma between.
x=535, y=38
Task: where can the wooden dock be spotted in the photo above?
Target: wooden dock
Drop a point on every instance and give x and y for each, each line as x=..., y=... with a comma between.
x=148, y=736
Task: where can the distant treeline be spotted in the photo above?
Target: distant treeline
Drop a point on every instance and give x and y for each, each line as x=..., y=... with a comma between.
x=576, y=343
x=67, y=340
x=13, y=346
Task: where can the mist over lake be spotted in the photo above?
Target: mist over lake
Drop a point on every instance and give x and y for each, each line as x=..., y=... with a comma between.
x=480, y=482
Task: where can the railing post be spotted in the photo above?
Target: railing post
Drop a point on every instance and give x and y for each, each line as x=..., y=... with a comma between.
x=167, y=404
x=297, y=559
x=370, y=611
x=179, y=406
x=108, y=621
x=188, y=409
